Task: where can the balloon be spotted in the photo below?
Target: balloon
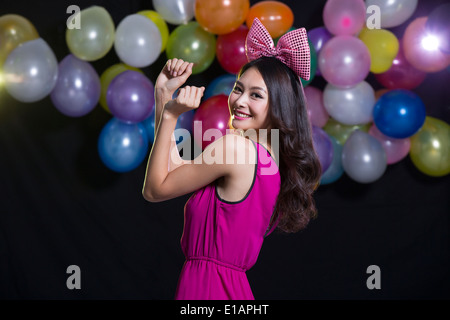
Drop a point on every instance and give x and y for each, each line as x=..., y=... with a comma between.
x=160, y=24
x=399, y=113
x=350, y=106
x=344, y=61
x=430, y=148
x=318, y=115
x=313, y=66
x=276, y=17
x=230, y=50
x=380, y=92
x=221, y=16
x=439, y=25
x=335, y=170
x=95, y=37
x=14, y=30
x=130, y=96
x=223, y=84
x=318, y=37
x=383, y=47
x=363, y=157
x=214, y=114
x=30, y=71
x=341, y=132
x=185, y=121
x=107, y=76
x=77, y=89
x=401, y=75
x=175, y=11
x=138, y=41
x=393, y=12
x=421, y=48
x=396, y=149
x=149, y=125
x=192, y=43
x=344, y=17
x=323, y=146
x=122, y=146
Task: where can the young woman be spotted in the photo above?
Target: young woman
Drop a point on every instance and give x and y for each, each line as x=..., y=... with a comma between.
x=235, y=204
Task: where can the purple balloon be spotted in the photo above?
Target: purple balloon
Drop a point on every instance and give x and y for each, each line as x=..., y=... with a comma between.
x=324, y=147
x=77, y=90
x=318, y=37
x=130, y=96
x=344, y=61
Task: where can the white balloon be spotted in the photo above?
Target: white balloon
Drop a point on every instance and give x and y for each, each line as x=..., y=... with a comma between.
x=350, y=106
x=30, y=71
x=138, y=41
x=175, y=11
x=394, y=12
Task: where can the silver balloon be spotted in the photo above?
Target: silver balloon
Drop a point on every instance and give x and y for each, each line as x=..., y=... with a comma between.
x=138, y=41
x=350, y=106
x=393, y=12
x=30, y=71
x=175, y=11
x=363, y=157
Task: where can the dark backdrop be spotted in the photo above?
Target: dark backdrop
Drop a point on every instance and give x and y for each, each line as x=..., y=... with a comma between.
x=60, y=206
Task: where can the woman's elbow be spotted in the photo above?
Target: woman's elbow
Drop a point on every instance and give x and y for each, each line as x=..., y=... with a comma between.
x=152, y=195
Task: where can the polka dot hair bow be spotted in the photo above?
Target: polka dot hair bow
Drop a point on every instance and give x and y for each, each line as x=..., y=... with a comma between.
x=292, y=48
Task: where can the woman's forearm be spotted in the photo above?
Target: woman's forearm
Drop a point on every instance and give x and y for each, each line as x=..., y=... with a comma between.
x=158, y=164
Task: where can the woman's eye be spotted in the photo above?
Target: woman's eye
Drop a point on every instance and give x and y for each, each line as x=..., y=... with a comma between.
x=256, y=95
x=237, y=89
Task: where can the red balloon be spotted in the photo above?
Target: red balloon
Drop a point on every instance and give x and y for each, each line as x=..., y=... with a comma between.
x=230, y=50
x=401, y=75
x=211, y=120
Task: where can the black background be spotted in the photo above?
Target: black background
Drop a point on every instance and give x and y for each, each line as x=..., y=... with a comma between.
x=60, y=206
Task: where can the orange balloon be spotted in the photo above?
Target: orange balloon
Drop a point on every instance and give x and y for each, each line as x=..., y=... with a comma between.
x=276, y=16
x=221, y=16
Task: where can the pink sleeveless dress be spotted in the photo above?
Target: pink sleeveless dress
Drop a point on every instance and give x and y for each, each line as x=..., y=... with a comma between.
x=222, y=239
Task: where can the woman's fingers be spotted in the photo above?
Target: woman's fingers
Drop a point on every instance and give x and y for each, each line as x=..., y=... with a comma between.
x=178, y=67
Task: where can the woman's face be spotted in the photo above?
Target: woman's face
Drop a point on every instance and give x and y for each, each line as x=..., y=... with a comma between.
x=249, y=102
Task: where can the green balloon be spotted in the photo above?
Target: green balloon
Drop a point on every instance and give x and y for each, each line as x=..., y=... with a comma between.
x=95, y=35
x=190, y=42
x=341, y=132
x=430, y=148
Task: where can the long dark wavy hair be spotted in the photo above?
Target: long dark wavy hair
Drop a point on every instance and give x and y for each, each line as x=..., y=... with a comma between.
x=299, y=165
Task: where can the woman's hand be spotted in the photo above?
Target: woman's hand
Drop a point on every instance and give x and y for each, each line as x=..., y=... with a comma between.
x=173, y=75
x=188, y=98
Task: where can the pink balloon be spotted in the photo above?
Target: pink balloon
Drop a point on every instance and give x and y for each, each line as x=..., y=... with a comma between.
x=396, y=149
x=421, y=47
x=317, y=113
x=213, y=116
x=344, y=61
x=401, y=75
x=344, y=17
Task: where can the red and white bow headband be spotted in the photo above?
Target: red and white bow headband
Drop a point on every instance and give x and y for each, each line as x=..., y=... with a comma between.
x=292, y=48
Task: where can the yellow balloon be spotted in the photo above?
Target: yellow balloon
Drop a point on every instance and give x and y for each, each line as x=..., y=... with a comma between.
x=14, y=30
x=160, y=23
x=95, y=37
x=430, y=148
x=341, y=132
x=383, y=48
x=107, y=76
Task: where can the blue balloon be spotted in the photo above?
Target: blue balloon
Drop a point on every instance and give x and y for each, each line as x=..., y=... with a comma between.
x=122, y=146
x=149, y=125
x=335, y=170
x=221, y=85
x=185, y=121
x=399, y=113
